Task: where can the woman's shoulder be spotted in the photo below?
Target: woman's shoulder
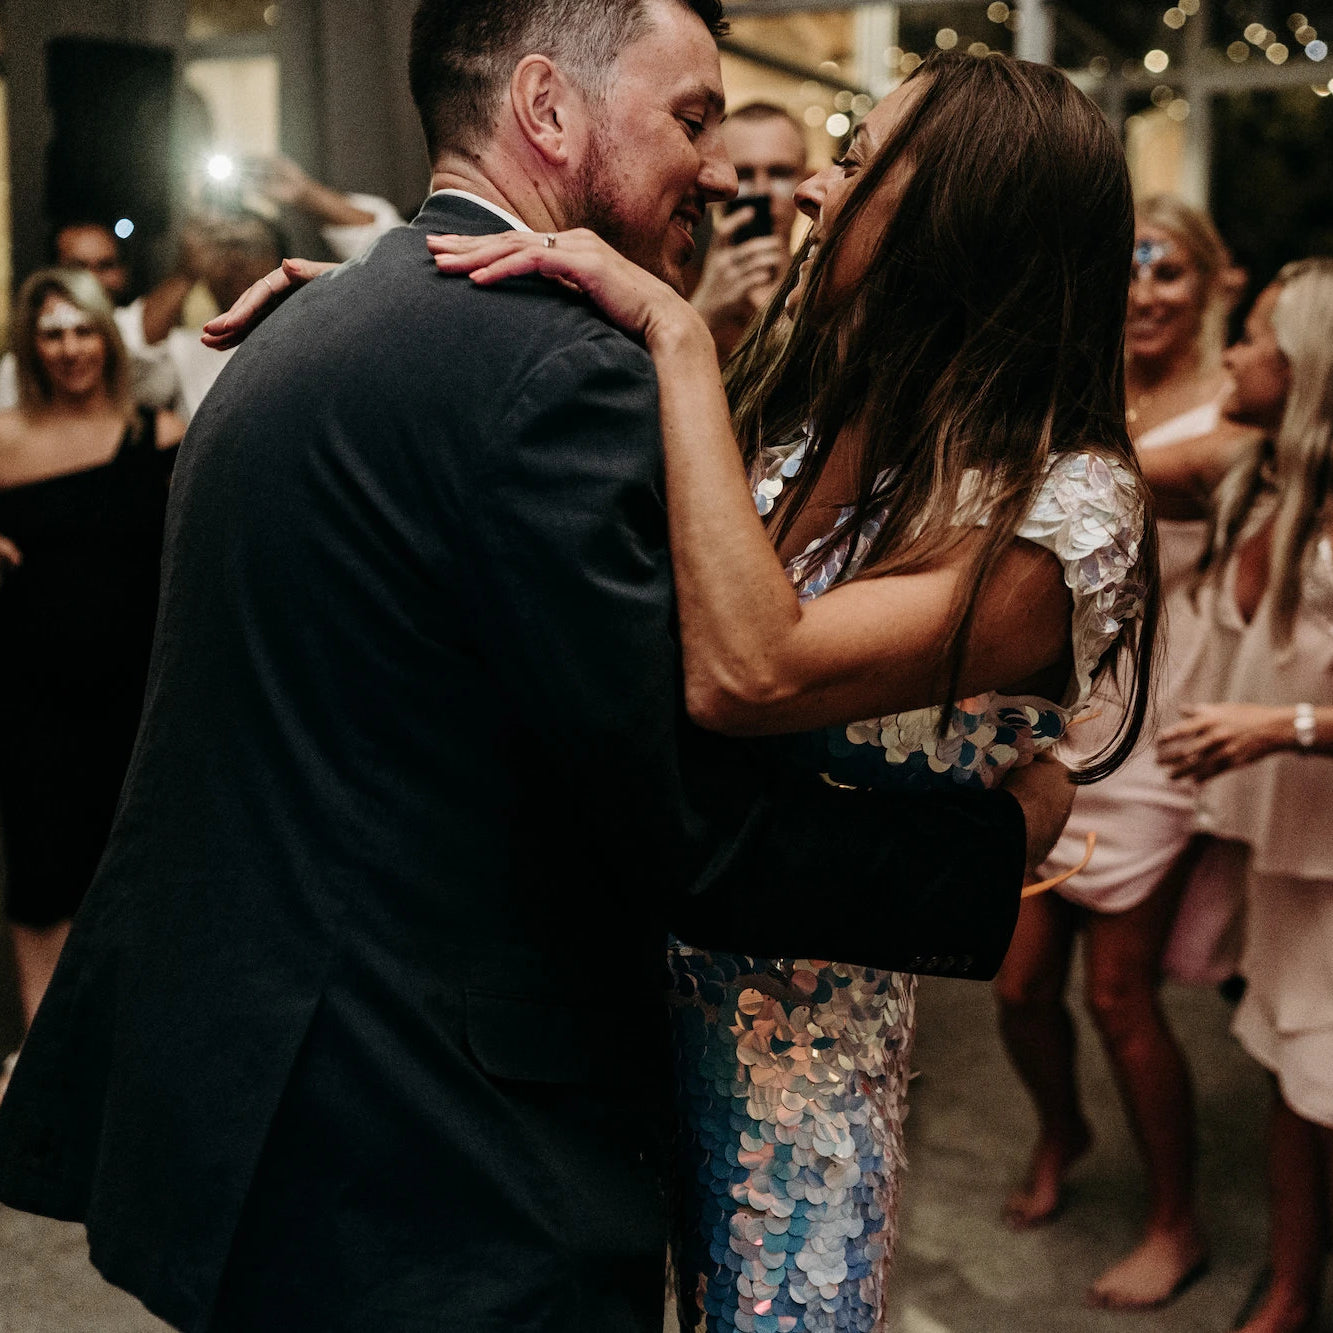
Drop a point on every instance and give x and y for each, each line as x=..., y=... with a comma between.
x=1089, y=510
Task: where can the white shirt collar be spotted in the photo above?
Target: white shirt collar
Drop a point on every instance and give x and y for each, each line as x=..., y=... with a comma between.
x=517, y=223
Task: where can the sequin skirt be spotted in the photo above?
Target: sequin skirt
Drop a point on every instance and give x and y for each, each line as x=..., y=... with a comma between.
x=792, y=1080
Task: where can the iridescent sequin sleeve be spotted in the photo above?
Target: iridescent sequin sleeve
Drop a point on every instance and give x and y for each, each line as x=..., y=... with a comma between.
x=1089, y=513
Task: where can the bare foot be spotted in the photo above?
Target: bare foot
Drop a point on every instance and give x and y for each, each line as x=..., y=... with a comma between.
x=1157, y=1272
x=1281, y=1313
x=1037, y=1200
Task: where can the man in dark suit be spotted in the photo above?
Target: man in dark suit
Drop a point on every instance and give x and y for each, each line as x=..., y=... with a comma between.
x=360, y=1027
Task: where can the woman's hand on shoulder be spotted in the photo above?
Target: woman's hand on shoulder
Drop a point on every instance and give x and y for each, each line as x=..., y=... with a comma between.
x=170, y=428
x=258, y=302
x=634, y=300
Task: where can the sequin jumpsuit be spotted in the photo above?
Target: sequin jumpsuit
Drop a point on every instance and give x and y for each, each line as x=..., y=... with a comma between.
x=792, y=1073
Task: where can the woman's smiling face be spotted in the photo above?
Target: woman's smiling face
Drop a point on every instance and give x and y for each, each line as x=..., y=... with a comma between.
x=1167, y=294
x=824, y=195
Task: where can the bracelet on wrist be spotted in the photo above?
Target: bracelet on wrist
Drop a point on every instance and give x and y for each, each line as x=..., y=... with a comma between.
x=1304, y=722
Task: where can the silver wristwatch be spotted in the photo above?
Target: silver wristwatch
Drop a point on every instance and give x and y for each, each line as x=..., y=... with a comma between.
x=1305, y=726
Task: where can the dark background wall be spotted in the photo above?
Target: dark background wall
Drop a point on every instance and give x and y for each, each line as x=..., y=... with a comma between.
x=346, y=115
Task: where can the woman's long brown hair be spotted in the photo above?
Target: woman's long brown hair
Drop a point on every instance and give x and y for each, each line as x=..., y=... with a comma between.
x=986, y=337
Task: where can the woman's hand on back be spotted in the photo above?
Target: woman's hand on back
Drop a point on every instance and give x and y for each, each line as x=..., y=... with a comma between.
x=641, y=305
x=258, y=302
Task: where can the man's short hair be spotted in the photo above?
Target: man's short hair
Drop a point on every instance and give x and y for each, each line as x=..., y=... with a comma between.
x=752, y=111
x=464, y=52
x=63, y=225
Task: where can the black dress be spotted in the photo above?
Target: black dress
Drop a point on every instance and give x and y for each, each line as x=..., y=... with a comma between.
x=76, y=629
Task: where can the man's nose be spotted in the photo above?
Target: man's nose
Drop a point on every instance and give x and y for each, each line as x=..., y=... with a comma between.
x=717, y=177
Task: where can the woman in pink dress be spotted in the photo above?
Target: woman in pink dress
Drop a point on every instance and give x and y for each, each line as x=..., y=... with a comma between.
x=1266, y=757
x=1125, y=901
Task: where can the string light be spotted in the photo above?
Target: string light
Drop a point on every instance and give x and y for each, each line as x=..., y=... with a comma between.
x=1178, y=110
x=946, y=39
x=862, y=104
x=1099, y=66
x=1162, y=94
x=1156, y=61
x=1316, y=50
x=1256, y=33
x=124, y=229
x=1239, y=52
x=814, y=116
x=1277, y=53
x=843, y=101
x=838, y=124
x=911, y=61
x=1189, y=7
x=998, y=12
x=978, y=49
x=1174, y=17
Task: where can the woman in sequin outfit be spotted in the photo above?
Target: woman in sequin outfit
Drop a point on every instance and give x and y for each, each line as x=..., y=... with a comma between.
x=930, y=418
x=1266, y=757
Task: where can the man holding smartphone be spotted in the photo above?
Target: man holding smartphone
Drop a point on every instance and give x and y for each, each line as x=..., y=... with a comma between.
x=751, y=244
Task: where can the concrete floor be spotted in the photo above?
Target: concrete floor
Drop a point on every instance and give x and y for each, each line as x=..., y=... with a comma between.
x=958, y=1270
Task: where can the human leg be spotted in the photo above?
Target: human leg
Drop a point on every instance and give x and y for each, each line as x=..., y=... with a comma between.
x=1039, y=1035
x=1300, y=1197
x=36, y=952
x=1123, y=976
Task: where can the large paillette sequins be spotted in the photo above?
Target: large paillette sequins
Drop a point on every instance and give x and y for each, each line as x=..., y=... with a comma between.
x=793, y=1075
x=793, y=1093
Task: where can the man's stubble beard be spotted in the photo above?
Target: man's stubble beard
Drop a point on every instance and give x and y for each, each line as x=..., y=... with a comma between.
x=593, y=205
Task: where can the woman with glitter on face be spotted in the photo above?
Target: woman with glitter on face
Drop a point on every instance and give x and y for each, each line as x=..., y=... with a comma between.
x=1125, y=904
x=930, y=416
x=83, y=493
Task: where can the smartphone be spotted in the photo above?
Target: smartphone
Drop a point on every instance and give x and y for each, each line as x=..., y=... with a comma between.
x=762, y=222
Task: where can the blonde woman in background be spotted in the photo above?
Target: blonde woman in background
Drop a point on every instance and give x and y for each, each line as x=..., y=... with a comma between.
x=1181, y=291
x=83, y=492
x=1266, y=757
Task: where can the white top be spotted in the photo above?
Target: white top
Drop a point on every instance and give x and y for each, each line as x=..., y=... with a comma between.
x=1279, y=805
x=194, y=368
x=351, y=241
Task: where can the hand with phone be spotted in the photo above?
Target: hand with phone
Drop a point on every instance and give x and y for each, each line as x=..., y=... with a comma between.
x=741, y=269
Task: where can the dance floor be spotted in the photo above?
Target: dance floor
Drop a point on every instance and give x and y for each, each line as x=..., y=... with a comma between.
x=958, y=1269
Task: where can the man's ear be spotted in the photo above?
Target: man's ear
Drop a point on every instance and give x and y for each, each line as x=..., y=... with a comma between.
x=548, y=109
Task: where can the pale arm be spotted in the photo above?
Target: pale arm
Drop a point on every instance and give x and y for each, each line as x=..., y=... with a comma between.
x=756, y=660
x=1213, y=738
x=1183, y=476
